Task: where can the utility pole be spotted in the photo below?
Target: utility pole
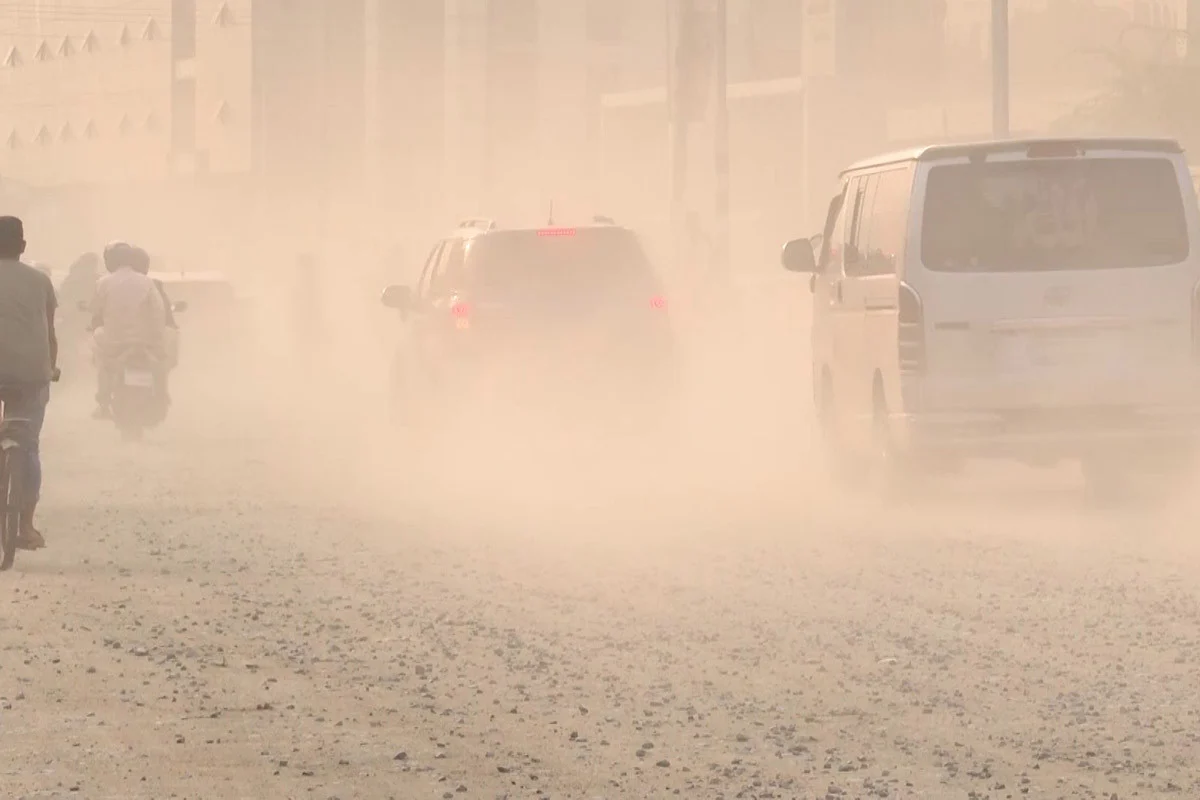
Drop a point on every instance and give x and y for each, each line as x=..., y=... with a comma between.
x=720, y=253
x=324, y=161
x=699, y=119
x=1193, y=33
x=1000, y=78
x=680, y=14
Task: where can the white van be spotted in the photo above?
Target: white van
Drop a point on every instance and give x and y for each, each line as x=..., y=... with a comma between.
x=1034, y=300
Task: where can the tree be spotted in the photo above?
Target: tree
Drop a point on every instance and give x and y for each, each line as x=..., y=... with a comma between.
x=1150, y=95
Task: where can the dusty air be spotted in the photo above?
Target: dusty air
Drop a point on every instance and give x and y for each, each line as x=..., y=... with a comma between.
x=599, y=399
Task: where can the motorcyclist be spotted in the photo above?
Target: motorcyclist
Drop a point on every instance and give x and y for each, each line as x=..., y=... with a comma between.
x=75, y=292
x=81, y=279
x=127, y=309
x=141, y=263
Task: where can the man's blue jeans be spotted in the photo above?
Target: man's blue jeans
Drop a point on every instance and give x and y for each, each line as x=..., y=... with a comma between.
x=30, y=403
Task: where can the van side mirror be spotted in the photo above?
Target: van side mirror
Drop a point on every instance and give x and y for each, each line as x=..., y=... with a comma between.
x=397, y=297
x=798, y=256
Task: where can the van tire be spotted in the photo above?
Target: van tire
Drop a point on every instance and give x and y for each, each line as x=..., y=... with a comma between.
x=890, y=473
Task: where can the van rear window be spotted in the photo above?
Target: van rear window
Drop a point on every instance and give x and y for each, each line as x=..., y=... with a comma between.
x=1053, y=214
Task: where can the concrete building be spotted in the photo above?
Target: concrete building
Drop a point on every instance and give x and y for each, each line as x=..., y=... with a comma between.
x=85, y=95
x=432, y=108
x=203, y=105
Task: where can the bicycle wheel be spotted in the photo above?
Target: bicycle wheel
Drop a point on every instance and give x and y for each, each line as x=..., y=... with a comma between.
x=12, y=486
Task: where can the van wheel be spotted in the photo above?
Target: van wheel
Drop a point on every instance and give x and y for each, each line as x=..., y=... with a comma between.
x=890, y=473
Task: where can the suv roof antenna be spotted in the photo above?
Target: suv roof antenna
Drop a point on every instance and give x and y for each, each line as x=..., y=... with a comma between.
x=551, y=222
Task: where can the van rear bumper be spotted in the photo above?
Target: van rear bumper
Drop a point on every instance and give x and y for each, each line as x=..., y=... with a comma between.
x=1042, y=433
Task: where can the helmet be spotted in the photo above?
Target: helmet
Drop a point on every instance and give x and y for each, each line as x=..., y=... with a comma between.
x=118, y=254
x=139, y=259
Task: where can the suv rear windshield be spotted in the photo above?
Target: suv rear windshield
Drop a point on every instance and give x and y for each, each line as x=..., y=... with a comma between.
x=1053, y=214
x=591, y=262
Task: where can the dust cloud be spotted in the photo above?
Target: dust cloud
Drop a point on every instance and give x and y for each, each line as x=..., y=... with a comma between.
x=285, y=591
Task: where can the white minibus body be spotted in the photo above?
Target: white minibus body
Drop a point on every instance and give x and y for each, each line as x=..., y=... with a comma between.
x=1028, y=299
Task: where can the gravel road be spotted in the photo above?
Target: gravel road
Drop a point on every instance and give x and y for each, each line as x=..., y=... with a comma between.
x=244, y=607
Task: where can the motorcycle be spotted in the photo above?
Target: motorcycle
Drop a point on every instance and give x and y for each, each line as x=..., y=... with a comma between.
x=139, y=396
x=138, y=382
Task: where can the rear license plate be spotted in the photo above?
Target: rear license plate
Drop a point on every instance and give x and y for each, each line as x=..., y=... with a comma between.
x=1066, y=351
x=139, y=378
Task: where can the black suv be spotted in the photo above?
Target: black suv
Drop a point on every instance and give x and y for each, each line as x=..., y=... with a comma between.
x=561, y=322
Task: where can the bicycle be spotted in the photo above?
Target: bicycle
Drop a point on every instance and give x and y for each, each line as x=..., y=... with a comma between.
x=14, y=463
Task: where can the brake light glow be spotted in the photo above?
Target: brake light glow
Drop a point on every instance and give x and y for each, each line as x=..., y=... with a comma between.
x=1054, y=149
x=556, y=232
x=462, y=315
x=658, y=302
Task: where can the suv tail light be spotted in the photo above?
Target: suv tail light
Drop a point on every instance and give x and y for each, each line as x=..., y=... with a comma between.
x=911, y=334
x=462, y=315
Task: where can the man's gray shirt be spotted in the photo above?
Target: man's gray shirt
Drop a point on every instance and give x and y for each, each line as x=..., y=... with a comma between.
x=27, y=305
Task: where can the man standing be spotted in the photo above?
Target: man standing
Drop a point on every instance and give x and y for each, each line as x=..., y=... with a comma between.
x=28, y=355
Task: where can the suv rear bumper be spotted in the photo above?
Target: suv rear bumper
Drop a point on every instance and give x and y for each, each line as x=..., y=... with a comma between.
x=1040, y=433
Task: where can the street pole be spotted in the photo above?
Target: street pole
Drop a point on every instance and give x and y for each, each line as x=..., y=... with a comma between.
x=678, y=18
x=1000, y=78
x=721, y=235
x=1193, y=33
x=324, y=160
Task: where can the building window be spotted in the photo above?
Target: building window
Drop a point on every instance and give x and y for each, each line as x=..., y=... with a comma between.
x=13, y=59
x=43, y=53
x=151, y=123
x=90, y=131
x=14, y=140
x=124, y=126
x=126, y=37
x=90, y=43
x=222, y=115
x=43, y=136
x=66, y=49
x=151, y=32
x=67, y=134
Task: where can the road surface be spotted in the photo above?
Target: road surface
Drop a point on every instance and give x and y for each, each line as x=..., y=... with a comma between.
x=253, y=605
